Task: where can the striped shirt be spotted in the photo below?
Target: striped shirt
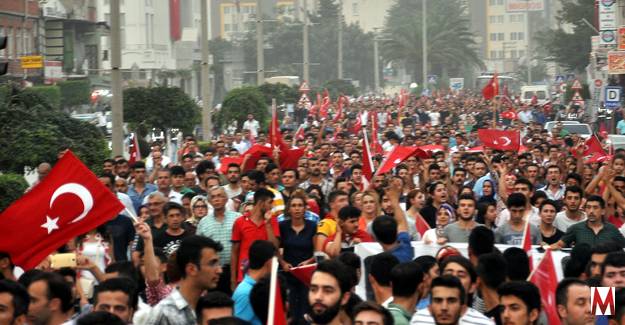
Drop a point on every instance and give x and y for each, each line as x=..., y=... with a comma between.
x=219, y=231
x=470, y=317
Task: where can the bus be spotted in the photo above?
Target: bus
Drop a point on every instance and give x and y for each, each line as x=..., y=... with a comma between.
x=514, y=86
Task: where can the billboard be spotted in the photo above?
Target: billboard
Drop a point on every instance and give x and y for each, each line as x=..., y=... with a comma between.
x=616, y=62
x=524, y=5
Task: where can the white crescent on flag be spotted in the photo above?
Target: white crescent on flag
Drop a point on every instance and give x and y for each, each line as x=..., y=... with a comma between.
x=83, y=194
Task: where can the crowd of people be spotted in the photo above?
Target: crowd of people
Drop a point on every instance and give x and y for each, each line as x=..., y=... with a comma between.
x=196, y=241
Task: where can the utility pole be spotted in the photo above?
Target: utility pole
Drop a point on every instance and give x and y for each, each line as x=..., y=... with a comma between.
x=116, y=81
x=528, y=51
x=339, y=66
x=424, y=30
x=376, y=65
x=260, y=48
x=207, y=123
x=305, y=41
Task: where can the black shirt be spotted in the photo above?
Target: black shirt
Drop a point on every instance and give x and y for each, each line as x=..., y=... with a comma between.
x=298, y=247
x=428, y=213
x=122, y=233
x=169, y=243
x=554, y=238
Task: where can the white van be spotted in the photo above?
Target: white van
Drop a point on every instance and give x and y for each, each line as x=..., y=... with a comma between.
x=541, y=92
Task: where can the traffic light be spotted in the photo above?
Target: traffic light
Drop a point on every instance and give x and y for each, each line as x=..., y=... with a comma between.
x=4, y=66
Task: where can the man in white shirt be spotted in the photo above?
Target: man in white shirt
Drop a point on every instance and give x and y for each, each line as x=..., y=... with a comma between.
x=252, y=125
x=156, y=156
x=573, y=214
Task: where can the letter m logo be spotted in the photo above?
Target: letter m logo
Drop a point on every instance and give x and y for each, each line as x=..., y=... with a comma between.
x=602, y=300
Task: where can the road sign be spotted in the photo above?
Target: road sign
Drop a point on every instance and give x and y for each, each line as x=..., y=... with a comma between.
x=304, y=87
x=559, y=79
x=576, y=85
x=612, y=97
x=456, y=83
x=432, y=78
x=598, y=83
x=31, y=62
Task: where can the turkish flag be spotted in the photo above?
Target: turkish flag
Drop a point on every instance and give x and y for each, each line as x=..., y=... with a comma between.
x=527, y=243
x=275, y=136
x=491, y=89
x=422, y=225
x=300, y=133
x=509, y=115
x=499, y=139
x=225, y=161
x=432, y=147
x=593, y=147
x=304, y=273
x=357, y=126
x=376, y=147
x=339, y=109
x=133, y=150
x=397, y=156
x=254, y=153
x=69, y=202
x=290, y=157
x=545, y=278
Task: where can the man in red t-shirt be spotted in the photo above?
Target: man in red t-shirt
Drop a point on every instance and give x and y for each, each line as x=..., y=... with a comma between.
x=258, y=224
x=347, y=234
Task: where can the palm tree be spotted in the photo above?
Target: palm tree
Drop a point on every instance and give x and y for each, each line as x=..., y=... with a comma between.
x=450, y=42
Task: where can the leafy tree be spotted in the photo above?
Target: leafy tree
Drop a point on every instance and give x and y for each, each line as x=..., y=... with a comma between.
x=160, y=108
x=284, y=48
x=570, y=50
x=12, y=186
x=51, y=93
x=281, y=92
x=451, y=44
x=338, y=87
x=539, y=72
x=240, y=102
x=74, y=93
x=33, y=132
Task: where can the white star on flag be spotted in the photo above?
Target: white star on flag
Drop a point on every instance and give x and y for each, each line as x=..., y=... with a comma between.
x=50, y=224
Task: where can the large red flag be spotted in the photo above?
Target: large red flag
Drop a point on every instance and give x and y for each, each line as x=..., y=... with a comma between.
x=397, y=156
x=275, y=136
x=325, y=105
x=491, y=89
x=251, y=156
x=376, y=147
x=290, y=157
x=545, y=278
x=133, y=150
x=593, y=147
x=225, y=161
x=276, y=313
x=499, y=139
x=69, y=202
x=339, y=108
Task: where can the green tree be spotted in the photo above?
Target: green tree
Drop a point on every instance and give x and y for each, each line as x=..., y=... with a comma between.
x=450, y=42
x=338, y=87
x=284, y=46
x=74, y=93
x=12, y=187
x=51, y=93
x=570, y=50
x=160, y=108
x=33, y=132
x=240, y=102
x=281, y=92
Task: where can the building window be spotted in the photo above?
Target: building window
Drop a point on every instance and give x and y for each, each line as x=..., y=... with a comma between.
x=492, y=37
x=500, y=37
x=3, y=53
x=493, y=54
x=227, y=27
x=227, y=10
x=514, y=54
x=500, y=2
x=491, y=19
x=492, y=2
x=520, y=36
x=355, y=8
x=513, y=36
x=502, y=54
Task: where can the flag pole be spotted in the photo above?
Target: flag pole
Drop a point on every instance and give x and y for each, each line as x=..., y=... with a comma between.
x=132, y=216
x=272, y=291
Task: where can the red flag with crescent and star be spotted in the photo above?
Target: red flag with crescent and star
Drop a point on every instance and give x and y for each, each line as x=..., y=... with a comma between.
x=133, y=150
x=492, y=88
x=500, y=139
x=70, y=201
